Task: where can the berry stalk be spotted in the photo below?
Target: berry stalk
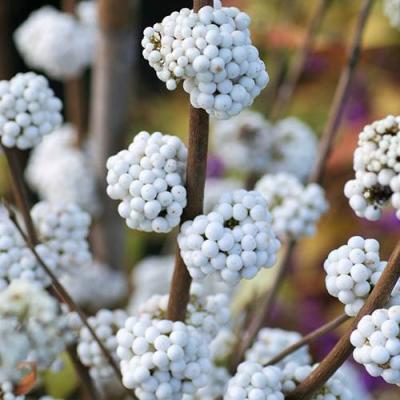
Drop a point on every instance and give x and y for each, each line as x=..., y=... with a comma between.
x=195, y=181
x=327, y=141
x=338, y=355
x=286, y=89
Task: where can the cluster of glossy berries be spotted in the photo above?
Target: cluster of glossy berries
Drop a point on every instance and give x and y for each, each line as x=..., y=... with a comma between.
x=248, y=138
x=336, y=387
x=56, y=43
x=215, y=188
x=162, y=359
x=392, y=11
x=50, y=159
x=377, y=344
x=148, y=178
x=64, y=229
x=208, y=314
x=352, y=272
x=253, y=381
x=294, y=148
x=272, y=341
x=32, y=315
x=377, y=167
x=216, y=386
x=212, y=53
x=234, y=241
x=295, y=208
x=28, y=110
x=106, y=324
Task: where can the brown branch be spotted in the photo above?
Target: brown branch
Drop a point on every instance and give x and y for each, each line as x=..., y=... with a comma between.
x=341, y=95
x=195, y=181
x=288, y=86
x=326, y=144
x=324, y=329
x=378, y=298
x=112, y=88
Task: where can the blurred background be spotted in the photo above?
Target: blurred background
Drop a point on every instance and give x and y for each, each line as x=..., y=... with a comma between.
x=278, y=30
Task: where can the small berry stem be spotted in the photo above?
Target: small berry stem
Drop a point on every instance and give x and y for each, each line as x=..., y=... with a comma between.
x=286, y=89
x=195, y=181
x=321, y=331
x=378, y=298
x=112, y=88
x=341, y=94
x=75, y=92
x=327, y=141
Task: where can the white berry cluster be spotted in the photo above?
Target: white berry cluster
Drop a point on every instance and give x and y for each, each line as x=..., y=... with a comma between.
x=56, y=43
x=272, y=341
x=106, y=324
x=215, y=188
x=95, y=286
x=28, y=110
x=86, y=11
x=234, y=241
x=295, y=208
x=377, y=166
x=253, y=381
x=162, y=359
x=212, y=53
x=294, y=148
x=335, y=388
x=377, y=344
x=64, y=229
x=7, y=392
x=392, y=11
x=208, y=314
x=248, y=137
x=47, y=164
x=352, y=272
x=148, y=178
x=30, y=312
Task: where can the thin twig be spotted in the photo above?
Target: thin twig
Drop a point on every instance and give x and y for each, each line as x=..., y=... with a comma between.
x=322, y=330
x=341, y=95
x=336, y=113
x=288, y=86
x=195, y=181
x=378, y=298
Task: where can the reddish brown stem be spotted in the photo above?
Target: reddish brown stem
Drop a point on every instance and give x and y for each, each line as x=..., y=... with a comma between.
x=195, y=181
x=288, y=86
x=323, y=330
x=378, y=298
x=341, y=95
x=327, y=141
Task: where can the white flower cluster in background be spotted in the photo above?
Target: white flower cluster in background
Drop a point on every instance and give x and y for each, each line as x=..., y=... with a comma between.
x=106, y=324
x=335, y=388
x=16, y=259
x=215, y=188
x=295, y=208
x=253, y=381
x=56, y=43
x=294, y=148
x=234, y=241
x=208, y=314
x=26, y=309
x=86, y=11
x=162, y=359
x=49, y=161
x=377, y=167
x=391, y=9
x=212, y=53
x=148, y=178
x=28, y=110
x=64, y=229
x=86, y=286
x=377, y=344
x=248, y=137
x=352, y=272
x=271, y=341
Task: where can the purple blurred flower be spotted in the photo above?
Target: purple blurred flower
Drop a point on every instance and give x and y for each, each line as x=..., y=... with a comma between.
x=215, y=167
